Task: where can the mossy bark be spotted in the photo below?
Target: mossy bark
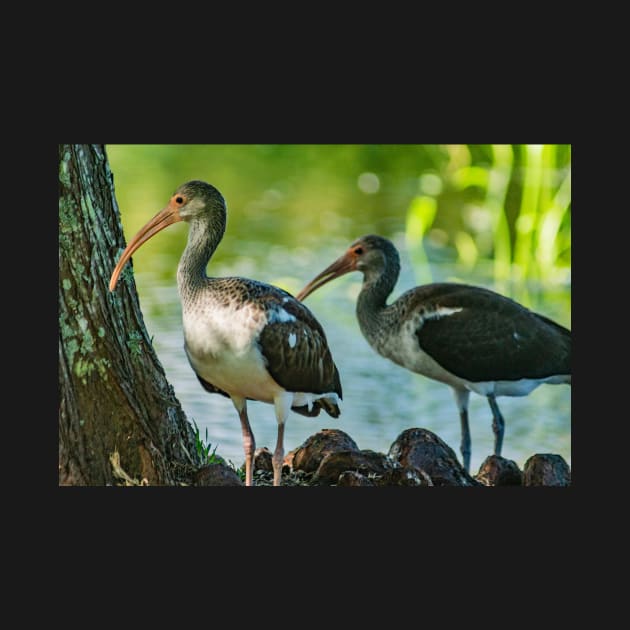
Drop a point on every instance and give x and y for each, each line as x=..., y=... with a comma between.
x=117, y=414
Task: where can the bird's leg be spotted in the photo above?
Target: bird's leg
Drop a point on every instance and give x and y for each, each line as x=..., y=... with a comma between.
x=249, y=443
x=498, y=424
x=461, y=398
x=278, y=457
x=282, y=404
x=465, y=445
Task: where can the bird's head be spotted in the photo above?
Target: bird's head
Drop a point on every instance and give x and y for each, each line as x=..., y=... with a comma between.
x=195, y=199
x=372, y=255
x=192, y=200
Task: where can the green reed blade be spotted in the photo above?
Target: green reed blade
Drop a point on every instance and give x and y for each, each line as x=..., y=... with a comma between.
x=420, y=216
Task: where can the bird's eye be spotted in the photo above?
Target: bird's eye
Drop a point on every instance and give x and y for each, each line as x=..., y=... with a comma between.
x=358, y=250
x=179, y=200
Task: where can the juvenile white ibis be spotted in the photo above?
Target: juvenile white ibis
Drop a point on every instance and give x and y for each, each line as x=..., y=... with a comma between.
x=244, y=339
x=470, y=338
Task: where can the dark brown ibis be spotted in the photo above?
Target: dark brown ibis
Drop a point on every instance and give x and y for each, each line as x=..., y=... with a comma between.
x=244, y=339
x=470, y=338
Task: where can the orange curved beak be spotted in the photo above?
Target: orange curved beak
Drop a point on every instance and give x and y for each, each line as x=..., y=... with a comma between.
x=162, y=219
x=344, y=264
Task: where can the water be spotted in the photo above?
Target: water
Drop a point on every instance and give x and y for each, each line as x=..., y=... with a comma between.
x=293, y=209
x=380, y=399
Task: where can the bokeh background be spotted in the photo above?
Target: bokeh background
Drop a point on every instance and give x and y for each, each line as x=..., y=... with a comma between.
x=497, y=216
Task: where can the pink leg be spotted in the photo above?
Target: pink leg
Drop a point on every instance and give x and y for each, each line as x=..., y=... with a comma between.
x=249, y=444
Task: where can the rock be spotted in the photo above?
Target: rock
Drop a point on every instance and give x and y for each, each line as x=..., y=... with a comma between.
x=498, y=471
x=289, y=478
x=263, y=459
x=417, y=457
x=424, y=450
x=546, y=469
x=404, y=476
x=309, y=455
x=217, y=475
x=353, y=478
x=366, y=462
x=287, y=464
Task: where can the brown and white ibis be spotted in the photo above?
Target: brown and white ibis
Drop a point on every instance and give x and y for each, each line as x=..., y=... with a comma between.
x=470, y=338
x=244, y=339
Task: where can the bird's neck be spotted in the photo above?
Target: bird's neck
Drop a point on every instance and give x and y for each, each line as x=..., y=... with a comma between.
x=203, y=240
x=372, y=309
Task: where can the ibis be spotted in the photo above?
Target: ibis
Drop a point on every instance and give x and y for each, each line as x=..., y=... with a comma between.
x=465, y=336
x=244, y=339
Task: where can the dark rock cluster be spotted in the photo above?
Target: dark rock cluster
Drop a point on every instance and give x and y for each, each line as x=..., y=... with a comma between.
x=417, y=457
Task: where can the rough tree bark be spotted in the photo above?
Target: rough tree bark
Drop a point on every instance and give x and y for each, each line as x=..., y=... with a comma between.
x=119, y=419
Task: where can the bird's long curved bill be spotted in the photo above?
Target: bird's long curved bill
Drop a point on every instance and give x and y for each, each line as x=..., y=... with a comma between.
x=341, y=266
x=162, y=219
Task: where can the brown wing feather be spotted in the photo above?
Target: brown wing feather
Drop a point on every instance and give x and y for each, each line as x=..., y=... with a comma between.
x=209, y=387
x=536, y=346
x=306, y=367
x=297, y=352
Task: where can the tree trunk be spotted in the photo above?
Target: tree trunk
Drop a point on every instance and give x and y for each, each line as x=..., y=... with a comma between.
x=119, y=420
